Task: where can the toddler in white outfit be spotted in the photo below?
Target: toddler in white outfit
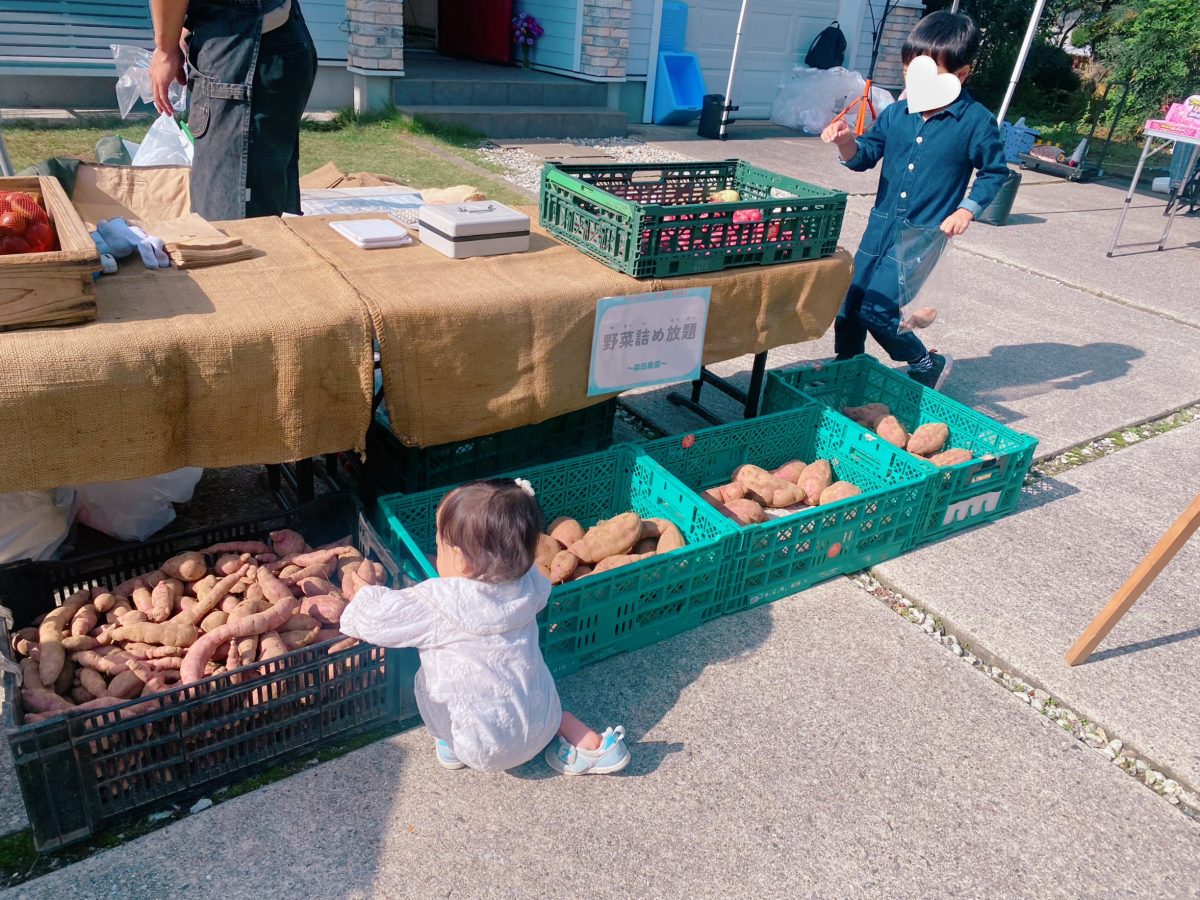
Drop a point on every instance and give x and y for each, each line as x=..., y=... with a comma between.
x=483, y=688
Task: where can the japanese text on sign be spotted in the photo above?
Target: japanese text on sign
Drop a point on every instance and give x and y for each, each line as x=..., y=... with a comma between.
x=646, y=339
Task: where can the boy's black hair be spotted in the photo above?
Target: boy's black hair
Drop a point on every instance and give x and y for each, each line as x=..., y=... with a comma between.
x=951, y=39
x=496, y=525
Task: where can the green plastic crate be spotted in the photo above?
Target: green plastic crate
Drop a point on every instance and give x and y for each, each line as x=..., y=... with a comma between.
x=785, y=555
x=961, y=496
x=615, y=611
x=653, y=221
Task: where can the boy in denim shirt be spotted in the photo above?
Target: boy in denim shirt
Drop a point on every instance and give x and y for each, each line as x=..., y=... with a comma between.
x=928, y=159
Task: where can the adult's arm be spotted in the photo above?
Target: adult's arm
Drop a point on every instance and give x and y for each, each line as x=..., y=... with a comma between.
x=166, y=65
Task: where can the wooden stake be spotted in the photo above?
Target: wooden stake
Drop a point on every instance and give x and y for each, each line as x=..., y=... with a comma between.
x=1143, y=576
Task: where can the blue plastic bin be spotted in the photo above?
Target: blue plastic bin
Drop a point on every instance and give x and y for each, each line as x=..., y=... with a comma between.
x=678, y=89
x=1018, y=139
x=673, y=30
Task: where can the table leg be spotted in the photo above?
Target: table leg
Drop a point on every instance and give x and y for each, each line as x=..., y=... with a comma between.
x=1146, y=151
x=749, y=399
x=1174, y=196
x=305, y=477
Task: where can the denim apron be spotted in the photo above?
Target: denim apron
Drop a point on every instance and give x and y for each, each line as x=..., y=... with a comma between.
x=248, y=91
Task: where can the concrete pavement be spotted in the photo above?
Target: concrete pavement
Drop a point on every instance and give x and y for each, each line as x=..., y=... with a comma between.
x=819, y=746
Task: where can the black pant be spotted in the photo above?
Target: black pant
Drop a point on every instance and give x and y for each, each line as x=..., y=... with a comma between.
x=283, y=80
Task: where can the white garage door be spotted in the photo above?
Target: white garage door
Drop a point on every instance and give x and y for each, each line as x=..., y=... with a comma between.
x=773, y=33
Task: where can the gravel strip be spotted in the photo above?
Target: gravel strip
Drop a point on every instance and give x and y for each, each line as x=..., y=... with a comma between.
x=1112, y=442
x=1087, y=733
x=525, y=170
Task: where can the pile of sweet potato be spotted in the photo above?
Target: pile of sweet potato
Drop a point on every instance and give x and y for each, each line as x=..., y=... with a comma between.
x=928, y=441
x=566, y=552
x=200, y=613
x=752, y=492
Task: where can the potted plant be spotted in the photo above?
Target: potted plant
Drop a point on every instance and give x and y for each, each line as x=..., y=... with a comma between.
x=525, y=32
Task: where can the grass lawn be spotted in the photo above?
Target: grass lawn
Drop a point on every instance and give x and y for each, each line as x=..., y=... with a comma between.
x=385, y=146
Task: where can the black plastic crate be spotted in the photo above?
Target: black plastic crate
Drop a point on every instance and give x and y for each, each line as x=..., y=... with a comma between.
x=392, y=468
x=79, y=771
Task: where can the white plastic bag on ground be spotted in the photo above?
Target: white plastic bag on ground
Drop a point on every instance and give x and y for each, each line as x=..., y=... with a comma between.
x=165, y=144
x=133, y=80
x=34, y=523
x=814, y=96
x=134, y=510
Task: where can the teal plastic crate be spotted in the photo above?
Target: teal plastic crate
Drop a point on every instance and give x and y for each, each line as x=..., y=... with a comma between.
x=961, y=496
x=786, y=555
x=615, y=611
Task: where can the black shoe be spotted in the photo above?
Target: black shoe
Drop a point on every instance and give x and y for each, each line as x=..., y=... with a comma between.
x=935, y=376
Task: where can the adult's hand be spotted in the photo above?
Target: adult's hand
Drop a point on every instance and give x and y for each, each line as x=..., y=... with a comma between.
x=166, y=68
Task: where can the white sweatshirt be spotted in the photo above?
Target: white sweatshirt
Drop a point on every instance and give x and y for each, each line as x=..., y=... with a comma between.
x=483, y=686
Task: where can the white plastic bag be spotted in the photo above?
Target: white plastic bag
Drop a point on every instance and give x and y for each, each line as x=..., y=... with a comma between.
x=931, y=280
x=134, y=510
x=133, y=80
x=165, y=144
x=814, y=96
x=34, y=523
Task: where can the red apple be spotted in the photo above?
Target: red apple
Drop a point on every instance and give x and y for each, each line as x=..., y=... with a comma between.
x=40, y=237
x=10, y=243
x=24, y=205
x=12, y=222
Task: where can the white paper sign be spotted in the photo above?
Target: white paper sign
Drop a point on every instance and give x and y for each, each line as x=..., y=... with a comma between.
x=646, y=339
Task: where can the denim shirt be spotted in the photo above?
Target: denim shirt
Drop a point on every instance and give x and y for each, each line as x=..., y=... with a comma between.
x=927, y=163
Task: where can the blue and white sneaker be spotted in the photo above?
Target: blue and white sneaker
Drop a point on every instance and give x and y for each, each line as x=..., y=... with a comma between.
x=612, y=756
x=445, y=756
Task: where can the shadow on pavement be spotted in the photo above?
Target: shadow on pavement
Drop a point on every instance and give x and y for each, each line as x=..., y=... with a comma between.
x=1043, y=491
x=1149, y=644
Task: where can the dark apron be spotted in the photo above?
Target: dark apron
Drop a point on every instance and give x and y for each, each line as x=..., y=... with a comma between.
x=248, y=92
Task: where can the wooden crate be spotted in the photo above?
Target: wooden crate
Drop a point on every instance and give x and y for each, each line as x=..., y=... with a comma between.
x=53, y=288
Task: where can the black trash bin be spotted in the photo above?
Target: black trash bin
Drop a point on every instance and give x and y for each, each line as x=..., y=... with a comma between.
x=710, y=116
x=996, y=212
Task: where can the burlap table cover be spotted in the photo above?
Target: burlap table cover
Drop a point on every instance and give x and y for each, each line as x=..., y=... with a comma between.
x=476, y=346
x=260, y=361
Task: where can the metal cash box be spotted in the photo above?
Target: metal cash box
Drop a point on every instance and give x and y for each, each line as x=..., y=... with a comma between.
x=483, y=228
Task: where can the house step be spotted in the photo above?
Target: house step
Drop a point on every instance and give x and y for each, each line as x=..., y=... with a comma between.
x=502, y=91
x=526, y=121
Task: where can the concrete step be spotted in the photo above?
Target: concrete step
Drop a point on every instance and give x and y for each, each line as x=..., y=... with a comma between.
x=526, y=121
x=503, y=91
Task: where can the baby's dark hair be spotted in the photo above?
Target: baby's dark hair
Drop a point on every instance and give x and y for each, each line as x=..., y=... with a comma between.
x=950, y=39
x=495, y=524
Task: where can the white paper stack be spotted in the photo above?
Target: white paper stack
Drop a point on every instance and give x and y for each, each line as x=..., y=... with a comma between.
x=373, y=234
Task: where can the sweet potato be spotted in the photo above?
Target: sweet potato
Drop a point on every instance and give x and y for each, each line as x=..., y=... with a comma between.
x=120, y=608
x=670, y=539
x=134, y=617
x=228, y=563
x=163, y=598
x=23, y=640
x=174, y=634
x=211, y=599
x=233, y=659
x=245, y=651
x=81, y=694
x=615, y=562
x=791, y=471
x=343, y=645
x=214, y=619
x=565, y=530
x=839, y=490
x=316, y=587
x=62, y=684
x=188, y=566
x=270, y=646
x=764, y=488
x=326, y=554
x=725, y=493
x=51, y=654
x=320, y=570
x=80, y=642
x=104, y=602
x=300, y=637
x=815, y=478
x=285, y=606
x=125, y=686
x=583, y=570
x=42, y=700
x=921, y=317
x=327, y=610
x=230, y=603
x=611, y=537
x=107, y=661
x=563, y=566
x=146, y=580
x=890, y=429
x=93, y=682
x=29, y=674
x=287, y=542
x=251, y=547
x=248, y=608
x=143, y=599
x=164, y=663
x=645, y=545
x=152, y=651
x=547, y=549
x=300, y=622
x=928, y=439
x=951, y=457
x=744, y=511
x=85, y=620
x=869, y=415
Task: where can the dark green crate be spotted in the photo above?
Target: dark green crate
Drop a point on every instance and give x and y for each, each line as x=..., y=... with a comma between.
x=785, y=555
x=80, y=771
x=961, y=496
x=622, y=609
x=391, y=467
x=653, y=221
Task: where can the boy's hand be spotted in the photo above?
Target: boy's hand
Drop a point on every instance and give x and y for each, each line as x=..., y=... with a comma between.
x=956, y=223
x=839, y=133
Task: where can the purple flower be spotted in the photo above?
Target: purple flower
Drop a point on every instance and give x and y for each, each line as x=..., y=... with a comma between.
x=529, y=41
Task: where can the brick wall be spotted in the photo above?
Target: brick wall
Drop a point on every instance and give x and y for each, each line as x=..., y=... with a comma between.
x=605, y=51
x=889, y=71
x=376, y=39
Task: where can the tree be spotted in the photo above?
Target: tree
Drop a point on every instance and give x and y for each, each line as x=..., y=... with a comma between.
x=1156, y=43
x=1068, y=21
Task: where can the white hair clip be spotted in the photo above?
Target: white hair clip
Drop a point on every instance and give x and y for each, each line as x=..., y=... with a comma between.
x=525, y=486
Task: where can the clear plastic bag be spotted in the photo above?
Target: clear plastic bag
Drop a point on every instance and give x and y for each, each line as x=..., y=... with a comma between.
x=134, y=510
x=930, y=279
x=165, y=144
x=133, y=80
x=33, y=524
x=814, y=96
